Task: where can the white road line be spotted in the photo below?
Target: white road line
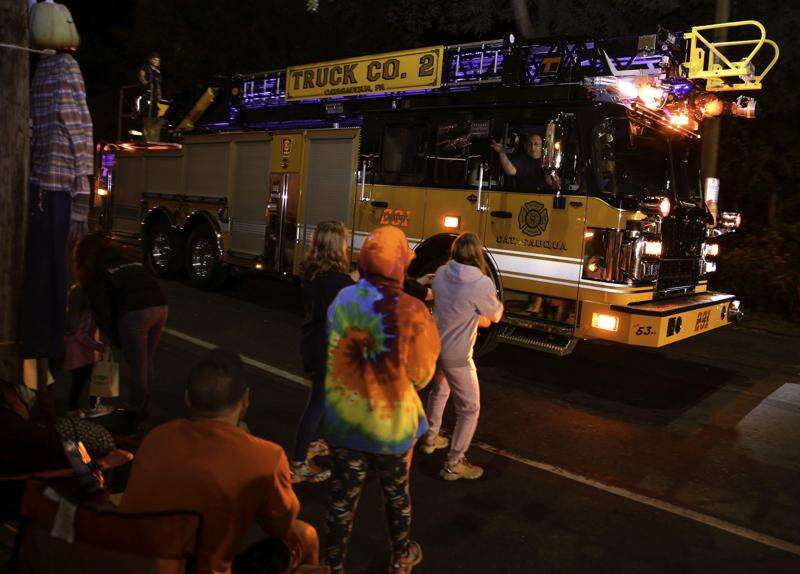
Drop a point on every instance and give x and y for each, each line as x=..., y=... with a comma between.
x=693, y=515
x=303, y=382
x=706, y=519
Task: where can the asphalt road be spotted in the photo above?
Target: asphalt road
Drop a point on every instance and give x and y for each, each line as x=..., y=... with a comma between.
x=611, y=460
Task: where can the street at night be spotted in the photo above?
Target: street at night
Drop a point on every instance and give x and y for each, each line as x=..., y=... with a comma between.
x=700, y=439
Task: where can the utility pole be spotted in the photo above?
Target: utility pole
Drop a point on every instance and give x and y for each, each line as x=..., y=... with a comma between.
x=522, y=18
x=13, y=182
x=711, y=126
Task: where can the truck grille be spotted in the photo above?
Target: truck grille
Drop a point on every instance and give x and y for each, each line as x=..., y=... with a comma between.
x=682, y=238
x=677, y=275
x=682, y=241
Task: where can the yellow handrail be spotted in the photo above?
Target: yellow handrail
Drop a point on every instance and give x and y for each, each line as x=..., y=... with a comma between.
x=715, y=66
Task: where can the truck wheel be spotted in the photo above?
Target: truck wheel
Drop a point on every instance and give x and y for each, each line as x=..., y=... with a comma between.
x=162, y=250
x=203, y=265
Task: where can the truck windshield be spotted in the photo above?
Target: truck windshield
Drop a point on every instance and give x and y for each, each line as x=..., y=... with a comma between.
x=632, y=161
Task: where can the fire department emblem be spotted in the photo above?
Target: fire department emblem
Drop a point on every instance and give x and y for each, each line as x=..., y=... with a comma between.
x=286, y=146
x=533, y=218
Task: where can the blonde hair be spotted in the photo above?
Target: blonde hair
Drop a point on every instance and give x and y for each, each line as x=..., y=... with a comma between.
x=328, y=250
x=468, y=250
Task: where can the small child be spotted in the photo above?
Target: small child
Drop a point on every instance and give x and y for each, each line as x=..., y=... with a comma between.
x=81, y=351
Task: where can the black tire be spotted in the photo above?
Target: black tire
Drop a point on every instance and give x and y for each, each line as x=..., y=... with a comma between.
x=163, y=250
x=202, y=259
x=487, y=338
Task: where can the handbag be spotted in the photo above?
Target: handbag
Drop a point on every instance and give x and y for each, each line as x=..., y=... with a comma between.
x=105, y=376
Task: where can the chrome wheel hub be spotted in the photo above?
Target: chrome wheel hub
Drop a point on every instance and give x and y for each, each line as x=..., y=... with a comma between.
x=161, y=251
x=202, y=258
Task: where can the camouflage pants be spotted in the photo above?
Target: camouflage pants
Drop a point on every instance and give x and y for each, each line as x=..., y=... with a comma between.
x=349, y=472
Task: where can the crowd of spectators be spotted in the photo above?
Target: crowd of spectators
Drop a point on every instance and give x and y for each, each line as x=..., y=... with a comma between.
x=368, y=346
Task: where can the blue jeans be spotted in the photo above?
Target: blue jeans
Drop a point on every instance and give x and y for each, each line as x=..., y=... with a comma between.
x=310, y=419
x=139, y=332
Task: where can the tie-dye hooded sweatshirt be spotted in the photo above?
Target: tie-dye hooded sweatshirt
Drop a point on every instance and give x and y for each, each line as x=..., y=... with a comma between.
x=382, y=348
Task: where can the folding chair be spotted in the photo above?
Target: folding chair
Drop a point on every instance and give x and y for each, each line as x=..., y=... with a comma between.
x=58, y=536
x=12, y=485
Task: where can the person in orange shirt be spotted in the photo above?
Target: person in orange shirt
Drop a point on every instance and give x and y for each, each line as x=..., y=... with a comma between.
x=209, y=464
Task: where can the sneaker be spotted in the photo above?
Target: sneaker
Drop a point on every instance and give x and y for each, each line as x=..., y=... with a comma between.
x=308, y=472
x=463, y=469
x=406, y=563
x=438, y=442
x=99, y=410
x=318, y=448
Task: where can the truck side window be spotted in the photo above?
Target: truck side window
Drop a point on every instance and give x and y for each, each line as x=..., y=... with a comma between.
x=520, y=159
x=462, y=147
x=403, y=154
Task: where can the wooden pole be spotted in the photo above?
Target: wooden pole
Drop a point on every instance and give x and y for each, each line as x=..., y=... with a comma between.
x=13, y=182
x=522, y=18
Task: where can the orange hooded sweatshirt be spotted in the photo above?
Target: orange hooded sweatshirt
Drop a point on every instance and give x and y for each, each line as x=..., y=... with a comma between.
x=382, y=348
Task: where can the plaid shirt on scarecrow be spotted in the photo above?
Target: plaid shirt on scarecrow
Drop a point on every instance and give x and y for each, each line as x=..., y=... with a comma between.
x=62, y=149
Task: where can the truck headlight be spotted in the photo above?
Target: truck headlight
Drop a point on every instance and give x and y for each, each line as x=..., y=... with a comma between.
x=730, y=220
x=652, y=248
x=710, y=250
x=656, y=205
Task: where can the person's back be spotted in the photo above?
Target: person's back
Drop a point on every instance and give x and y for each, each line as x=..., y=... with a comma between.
x=318, y=292
x=382, y=347
x=463, y=294
x=464, y=298
x=216, y=469
x=211, y=465
x=131, y=286
x=114, y=283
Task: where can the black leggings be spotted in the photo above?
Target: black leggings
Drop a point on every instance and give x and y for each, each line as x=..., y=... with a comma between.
x=350, y=468
x=80, y=378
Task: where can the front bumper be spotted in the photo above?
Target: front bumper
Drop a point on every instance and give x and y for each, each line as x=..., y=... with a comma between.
x=659, y=323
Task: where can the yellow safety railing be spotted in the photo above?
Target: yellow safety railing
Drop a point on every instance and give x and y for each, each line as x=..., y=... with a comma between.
x=706, y=60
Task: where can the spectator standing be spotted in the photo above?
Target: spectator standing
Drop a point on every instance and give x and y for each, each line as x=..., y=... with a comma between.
x=81, y=351
x=128, y=305
x=464, y=297
x=326, y=273
x=211, y=465
x=382, y=348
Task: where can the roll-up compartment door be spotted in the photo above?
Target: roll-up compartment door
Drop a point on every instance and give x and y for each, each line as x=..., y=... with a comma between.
x=331, y=180
x=249, y=197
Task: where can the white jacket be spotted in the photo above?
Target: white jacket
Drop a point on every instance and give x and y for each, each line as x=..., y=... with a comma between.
x=461, y=295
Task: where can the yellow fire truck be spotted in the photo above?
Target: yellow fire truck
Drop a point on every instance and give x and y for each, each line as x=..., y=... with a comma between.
x=605, y=234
